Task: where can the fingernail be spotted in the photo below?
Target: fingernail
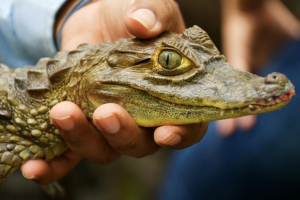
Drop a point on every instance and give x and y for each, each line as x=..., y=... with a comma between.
x=109, y=122
x=145, y=17
x=171, y=139
x=29, y=177
x=65, y=123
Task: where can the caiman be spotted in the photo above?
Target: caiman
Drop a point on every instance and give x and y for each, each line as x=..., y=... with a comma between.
x=170, y=79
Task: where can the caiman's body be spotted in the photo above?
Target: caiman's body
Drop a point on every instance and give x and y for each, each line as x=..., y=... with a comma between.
x=171, y=79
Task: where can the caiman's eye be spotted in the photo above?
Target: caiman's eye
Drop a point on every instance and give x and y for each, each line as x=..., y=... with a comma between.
x=169, y=62
x=169, y=59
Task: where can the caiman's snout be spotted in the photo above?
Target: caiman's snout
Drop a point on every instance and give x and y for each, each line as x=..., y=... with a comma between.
x=277, y=78
x=284, y=82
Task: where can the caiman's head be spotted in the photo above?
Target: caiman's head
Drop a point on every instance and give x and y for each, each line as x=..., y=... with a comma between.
x=179, y=79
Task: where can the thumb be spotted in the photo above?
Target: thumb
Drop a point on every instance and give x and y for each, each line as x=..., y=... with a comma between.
x=146, y=19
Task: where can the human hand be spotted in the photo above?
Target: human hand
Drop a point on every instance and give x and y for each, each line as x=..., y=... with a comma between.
x=252, y=31
x=115, y=133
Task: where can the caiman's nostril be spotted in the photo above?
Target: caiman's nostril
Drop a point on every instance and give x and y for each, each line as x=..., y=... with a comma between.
x=276, y=77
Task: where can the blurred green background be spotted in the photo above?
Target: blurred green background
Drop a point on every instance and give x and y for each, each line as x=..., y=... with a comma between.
x=127, y=178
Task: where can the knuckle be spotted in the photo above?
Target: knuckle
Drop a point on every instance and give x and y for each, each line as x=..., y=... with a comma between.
x=125, y=146
x=74, y=144
x=135, y=148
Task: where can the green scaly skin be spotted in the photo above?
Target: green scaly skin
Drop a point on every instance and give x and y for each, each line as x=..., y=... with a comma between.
x=170, y=79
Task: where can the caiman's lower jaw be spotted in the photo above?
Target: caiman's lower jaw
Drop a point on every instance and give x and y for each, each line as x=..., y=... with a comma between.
x=265, y=105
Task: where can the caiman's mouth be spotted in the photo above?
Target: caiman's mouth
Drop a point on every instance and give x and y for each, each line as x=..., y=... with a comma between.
x=274, y=100
x=265, y=105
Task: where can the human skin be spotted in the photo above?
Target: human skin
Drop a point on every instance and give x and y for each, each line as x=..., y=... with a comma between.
x=116, y=133
x=252, y=31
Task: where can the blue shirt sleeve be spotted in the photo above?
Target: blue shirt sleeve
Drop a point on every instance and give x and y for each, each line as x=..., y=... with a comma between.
x=27, y=30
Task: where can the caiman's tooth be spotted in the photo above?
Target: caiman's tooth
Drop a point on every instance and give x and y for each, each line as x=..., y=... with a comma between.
x=270, y=99
x=232, y=111
x=251, y=106
x=222, y=112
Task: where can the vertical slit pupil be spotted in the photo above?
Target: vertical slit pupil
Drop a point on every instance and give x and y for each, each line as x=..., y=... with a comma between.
x=168, y=58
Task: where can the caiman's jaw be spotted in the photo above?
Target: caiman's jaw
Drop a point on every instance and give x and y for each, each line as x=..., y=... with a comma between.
x=262, y=105
x=279, y=94
x=276, y=92
x=271, y=101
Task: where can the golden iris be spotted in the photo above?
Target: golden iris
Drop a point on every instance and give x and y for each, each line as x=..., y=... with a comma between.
x=169, y=59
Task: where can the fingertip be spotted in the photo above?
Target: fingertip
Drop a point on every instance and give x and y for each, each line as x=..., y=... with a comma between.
x=179, y=137
x=226, y=127
x=246, y=122
x=166, y=136
x=63, y=109
x=128, y=138
x=108, y=108
x=109, y=123
x=111, y=114
x=35, y=169
x=145, y=17
x=64, y=115
x=68, y=118
x=44, y=172
x=141, y=22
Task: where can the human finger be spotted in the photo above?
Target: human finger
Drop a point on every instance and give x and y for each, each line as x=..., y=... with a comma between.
x=226, y=127
x=122, y=133
x=80, y=135
x=47, y=172
x=179, y=137
x=247, y=122
x=147, y=19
